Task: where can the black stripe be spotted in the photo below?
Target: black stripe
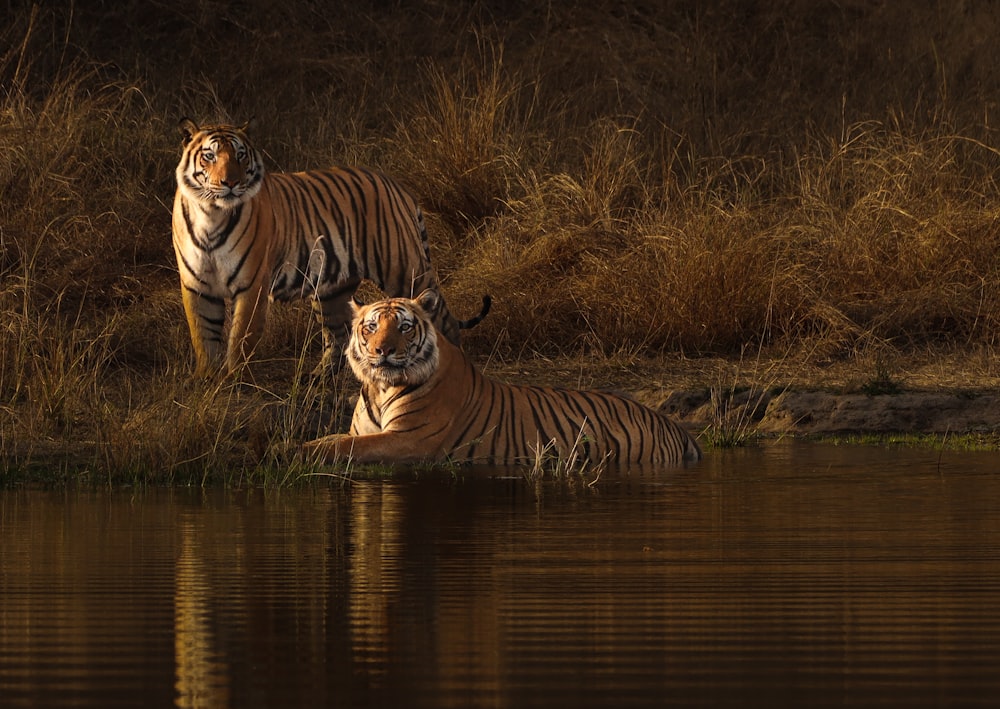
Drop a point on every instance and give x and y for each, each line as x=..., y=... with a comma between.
x=222, y=236
x=330, y=225
x=507, y=420
x=332, y=201
x=555, y=415
x=190, y=269
x=639, y=419
x=372, y=238
x=189, y=226
x=210, y=298
x=239, y=266
x=481, y=387
x=545, y=417
x=218, y=322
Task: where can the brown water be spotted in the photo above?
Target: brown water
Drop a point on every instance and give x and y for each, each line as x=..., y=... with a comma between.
x=788, y=575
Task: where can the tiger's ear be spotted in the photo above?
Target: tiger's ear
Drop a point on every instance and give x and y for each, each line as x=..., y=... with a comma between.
x=356, y=305
x=188, y=128
x=428, y=300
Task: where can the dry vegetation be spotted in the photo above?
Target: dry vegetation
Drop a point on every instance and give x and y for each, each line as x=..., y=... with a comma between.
x=813, y=183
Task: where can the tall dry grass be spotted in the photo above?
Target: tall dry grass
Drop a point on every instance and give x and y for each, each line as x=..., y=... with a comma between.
x=646, y=178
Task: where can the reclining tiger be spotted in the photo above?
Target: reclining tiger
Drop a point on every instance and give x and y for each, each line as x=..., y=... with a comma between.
x=422, y=399
x=249, y=237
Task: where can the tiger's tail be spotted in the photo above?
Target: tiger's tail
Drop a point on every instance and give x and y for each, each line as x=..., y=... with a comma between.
x=425, y=244
x=476, y=319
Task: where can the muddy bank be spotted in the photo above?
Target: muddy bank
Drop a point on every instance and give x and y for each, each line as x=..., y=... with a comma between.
x=938, y=392
x=825, y=413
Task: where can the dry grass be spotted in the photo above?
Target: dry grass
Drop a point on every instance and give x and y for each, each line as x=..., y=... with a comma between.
x=625, y=181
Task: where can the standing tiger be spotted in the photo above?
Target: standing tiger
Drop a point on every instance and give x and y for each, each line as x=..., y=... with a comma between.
x=242, y=235
x=423, y=400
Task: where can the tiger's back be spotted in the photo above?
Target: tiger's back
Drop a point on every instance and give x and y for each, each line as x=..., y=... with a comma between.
x=514, y=423
x=374, y=219
x=423, y=400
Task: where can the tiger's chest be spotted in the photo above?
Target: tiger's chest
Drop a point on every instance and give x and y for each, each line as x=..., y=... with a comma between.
x=222, y=273
x=216, y=250
x=377, y=409
x=367, y=416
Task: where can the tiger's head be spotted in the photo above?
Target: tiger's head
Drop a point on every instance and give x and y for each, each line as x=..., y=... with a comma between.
x=218, y=165
x=393, y=341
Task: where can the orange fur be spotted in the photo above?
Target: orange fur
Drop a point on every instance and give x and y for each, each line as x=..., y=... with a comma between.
x=246, y=237
x=423, y=400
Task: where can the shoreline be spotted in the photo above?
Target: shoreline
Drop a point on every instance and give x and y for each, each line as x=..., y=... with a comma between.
x=196, y=434
x=948, y=392
x=819, y=413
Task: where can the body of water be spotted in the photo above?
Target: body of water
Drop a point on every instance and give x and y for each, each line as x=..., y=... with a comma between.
x=785, y=575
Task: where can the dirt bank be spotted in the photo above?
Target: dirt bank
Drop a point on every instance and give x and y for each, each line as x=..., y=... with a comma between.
x=825, y=413
x=942, y=392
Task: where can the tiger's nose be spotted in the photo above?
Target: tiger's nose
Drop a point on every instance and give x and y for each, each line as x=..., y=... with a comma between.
x=385, y=350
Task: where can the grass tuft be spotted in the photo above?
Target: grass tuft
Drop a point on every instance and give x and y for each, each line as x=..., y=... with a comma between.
x=574, y=463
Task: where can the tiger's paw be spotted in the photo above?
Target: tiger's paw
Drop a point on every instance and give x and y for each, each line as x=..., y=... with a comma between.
x=322, y=450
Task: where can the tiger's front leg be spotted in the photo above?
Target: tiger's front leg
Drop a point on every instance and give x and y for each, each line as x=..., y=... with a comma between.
x=249, y=315
x=206, y=317
x=334, y=314
x=387, y=447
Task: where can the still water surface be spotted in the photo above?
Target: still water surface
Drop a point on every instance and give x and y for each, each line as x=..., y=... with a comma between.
x=786, y=575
